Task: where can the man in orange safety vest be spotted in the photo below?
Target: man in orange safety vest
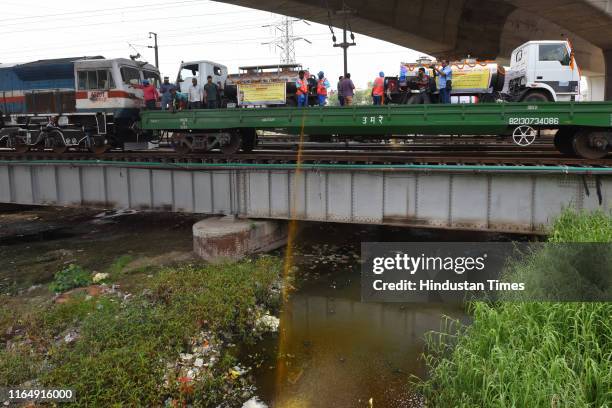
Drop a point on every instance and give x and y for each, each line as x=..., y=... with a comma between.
x=378, y=90
x=302, y=90
x=322, y=86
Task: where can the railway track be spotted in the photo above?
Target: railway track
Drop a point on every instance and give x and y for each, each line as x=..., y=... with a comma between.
x=264, y=156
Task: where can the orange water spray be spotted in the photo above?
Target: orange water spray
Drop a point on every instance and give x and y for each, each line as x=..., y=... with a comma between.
x=285, y=317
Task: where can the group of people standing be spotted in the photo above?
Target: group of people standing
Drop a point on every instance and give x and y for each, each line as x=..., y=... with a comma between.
x=425, y=85
x=209, y=95
x=197, y=96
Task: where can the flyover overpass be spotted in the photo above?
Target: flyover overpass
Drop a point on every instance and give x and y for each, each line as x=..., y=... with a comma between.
x=481, y=28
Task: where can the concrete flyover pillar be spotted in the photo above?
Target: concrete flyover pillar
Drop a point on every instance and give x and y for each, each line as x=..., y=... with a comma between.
x=608, y=79
x=220, y=239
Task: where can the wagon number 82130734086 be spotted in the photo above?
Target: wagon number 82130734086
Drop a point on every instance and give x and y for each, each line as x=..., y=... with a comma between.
x=533, y=121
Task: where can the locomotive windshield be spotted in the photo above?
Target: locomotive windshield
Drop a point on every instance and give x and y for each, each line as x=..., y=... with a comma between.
x=152, y=77
x=99, y=79
x=130, y=75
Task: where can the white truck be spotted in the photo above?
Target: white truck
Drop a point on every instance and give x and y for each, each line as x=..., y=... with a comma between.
x=543, y=71
x=200, y=70
x=539, y=71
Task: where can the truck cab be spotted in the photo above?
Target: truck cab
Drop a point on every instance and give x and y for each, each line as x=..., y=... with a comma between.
x=200, y=70
x=543, y=71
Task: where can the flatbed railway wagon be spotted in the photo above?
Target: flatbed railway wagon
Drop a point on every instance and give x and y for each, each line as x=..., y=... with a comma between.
x=582, y=128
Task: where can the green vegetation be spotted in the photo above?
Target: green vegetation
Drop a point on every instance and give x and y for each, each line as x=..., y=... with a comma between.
x=118, y=266
x=528, y=354
x=69, y=278
x=123, y=350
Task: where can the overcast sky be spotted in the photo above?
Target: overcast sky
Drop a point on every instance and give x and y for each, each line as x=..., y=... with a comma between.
x=187, y=29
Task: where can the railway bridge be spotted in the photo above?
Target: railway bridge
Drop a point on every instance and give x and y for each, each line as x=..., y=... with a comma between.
x=521, y=199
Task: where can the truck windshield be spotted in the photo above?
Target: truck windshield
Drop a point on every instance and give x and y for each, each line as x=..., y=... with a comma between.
x=188, y=71
x=554, y=52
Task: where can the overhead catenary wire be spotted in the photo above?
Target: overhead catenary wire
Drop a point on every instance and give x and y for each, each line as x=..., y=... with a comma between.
x=96, y=13
x=185, y=32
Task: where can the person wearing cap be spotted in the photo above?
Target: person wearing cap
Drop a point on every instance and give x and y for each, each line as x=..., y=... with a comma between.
x=150, y=94
x=301, y=85
x=322, y=86
x=378, y=90
x=165, y=90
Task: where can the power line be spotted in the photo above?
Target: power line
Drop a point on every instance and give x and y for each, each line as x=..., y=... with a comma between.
x=183, y=31
x=140, y=20
x=135, y=40
x=93, y=12
x=255, y=40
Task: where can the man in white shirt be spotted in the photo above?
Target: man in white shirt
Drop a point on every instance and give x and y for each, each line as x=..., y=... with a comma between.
x=196, y=95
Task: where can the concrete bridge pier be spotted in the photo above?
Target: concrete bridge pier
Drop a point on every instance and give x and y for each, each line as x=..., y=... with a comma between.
x=227, y=238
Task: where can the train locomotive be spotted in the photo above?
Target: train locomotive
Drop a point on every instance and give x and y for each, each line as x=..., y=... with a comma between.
x=83, y=103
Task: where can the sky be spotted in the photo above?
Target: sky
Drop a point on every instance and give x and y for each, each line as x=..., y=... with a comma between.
x=187, y=30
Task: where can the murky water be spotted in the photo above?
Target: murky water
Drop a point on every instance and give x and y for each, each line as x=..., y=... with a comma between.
x=339, y=351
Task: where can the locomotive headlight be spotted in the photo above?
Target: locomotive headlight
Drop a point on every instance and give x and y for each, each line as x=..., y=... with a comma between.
x=62, y=121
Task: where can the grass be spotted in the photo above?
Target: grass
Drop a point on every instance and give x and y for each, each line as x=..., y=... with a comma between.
x=121, y=355
x=533, y=354
x=117, y=267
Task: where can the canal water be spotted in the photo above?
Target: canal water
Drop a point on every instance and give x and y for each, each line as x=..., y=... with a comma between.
x=336, y=351
x=339, y=351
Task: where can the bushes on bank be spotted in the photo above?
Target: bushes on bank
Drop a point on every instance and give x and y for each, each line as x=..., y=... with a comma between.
x=120, y=347
x=528, y=354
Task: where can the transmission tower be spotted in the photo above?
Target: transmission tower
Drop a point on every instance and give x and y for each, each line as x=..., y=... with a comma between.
x=284, y=38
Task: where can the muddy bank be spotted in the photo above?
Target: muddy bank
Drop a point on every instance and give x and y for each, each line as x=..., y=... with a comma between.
x=36, y=242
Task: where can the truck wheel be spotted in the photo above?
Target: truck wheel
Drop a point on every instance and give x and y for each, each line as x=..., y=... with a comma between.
x=564, y=141
x=591, y=145
x=537, y=96
x=486, y=98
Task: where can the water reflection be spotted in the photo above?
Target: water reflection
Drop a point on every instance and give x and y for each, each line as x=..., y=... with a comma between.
x=341, y=352
x=338, y=351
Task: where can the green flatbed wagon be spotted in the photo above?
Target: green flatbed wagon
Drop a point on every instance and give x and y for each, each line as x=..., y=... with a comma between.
x=583, y=128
